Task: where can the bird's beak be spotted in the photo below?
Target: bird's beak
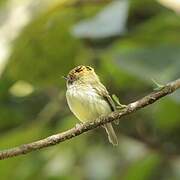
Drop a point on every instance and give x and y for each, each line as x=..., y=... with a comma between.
x=64, y=77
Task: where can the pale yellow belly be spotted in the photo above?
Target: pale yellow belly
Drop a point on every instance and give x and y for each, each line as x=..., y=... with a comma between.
x=87, y=105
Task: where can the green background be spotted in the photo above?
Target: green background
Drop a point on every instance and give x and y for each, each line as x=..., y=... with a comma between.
x=46, y=49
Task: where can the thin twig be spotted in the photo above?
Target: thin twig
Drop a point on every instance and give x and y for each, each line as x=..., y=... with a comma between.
x=57, y=138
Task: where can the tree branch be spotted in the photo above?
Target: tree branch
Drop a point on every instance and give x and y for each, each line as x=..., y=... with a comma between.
x=57, y=138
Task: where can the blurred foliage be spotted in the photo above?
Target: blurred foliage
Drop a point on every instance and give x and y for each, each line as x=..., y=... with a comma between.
x=46, y=49
x=2, y=2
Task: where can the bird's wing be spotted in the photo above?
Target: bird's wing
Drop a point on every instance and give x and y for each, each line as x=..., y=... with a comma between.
x=102, y=91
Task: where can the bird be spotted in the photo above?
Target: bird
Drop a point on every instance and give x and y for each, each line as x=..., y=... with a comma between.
x=88, y=98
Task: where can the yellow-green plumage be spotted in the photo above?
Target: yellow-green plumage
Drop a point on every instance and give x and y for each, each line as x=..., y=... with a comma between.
x=87, y=103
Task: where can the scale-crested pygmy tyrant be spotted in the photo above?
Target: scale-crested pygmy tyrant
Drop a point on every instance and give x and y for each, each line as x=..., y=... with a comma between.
x=88, y=98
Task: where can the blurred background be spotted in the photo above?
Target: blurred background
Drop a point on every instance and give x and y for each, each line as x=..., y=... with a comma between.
x=128, y=43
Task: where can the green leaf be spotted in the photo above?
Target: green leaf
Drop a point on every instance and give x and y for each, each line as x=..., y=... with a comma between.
x=143, y=169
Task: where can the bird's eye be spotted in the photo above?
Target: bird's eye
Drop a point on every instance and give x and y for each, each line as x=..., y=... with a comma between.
x=89, y=68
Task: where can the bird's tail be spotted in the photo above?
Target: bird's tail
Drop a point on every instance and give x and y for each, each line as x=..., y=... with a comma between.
x=111, y=134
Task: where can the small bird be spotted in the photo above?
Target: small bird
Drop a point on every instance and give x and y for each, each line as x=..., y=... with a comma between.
x=88, y=98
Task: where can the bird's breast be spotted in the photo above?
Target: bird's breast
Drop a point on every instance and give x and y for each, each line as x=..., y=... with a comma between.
x=86, y=103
